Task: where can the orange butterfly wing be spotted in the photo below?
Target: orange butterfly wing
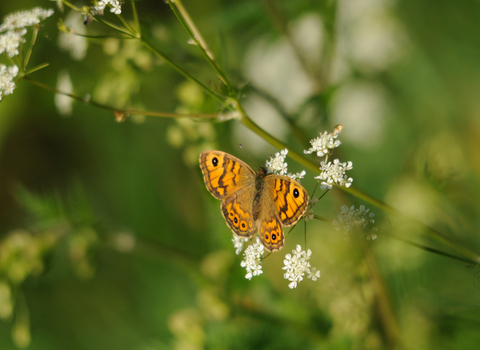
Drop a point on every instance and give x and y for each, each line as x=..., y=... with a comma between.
x=224, y=174
x=270, y=229
x=233, y=181
x=289, y=198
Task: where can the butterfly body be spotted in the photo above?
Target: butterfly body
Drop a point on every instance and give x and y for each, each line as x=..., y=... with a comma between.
x=252, y=200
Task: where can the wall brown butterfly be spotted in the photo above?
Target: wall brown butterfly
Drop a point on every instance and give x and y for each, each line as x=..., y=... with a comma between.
x=252, y=200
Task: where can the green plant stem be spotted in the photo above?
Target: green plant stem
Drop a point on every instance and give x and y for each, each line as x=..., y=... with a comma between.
x=100, y=20
x=135, y=19
x=431, y=250
x=298, y=132
x=116, y=27
x=181, y=71
x=280, y=20
x=318, y=217
x=459, y=248
x=119, y=110
x=16, y=61
x=30, y=48
x=138, y=36
x=126, y=25
x=383, y=303
x=189, y=26
x=250, y=124
x=73, y=7
x=129, y=37
x=34, y=69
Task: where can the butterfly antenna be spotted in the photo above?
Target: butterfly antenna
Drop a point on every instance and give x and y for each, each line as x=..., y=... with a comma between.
x=243, y=149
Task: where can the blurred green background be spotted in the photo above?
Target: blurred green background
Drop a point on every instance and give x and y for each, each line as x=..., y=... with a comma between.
x=109, y=239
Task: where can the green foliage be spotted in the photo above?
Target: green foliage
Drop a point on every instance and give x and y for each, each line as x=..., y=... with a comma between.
x=109, y=240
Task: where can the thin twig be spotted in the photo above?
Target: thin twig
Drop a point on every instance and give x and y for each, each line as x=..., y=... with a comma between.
x=128, y=111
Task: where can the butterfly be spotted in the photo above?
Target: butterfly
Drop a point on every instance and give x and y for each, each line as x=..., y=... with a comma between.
x=252, y=200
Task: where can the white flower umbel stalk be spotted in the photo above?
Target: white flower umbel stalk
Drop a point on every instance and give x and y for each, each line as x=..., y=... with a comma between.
x=334, y=173
x=297, y=265
x=10, y=41
x=351, y=219
x=6, y=79
x=311, y=204
x=325, y=143
x=22, y=19
x=252, y=261
x=115, y=4
x=238, y=243
x=277, y=165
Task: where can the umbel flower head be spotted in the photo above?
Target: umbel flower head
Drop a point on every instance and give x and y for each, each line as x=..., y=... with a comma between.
x=6, y=79
x=297, y=265
x=253, y=259
x=334, y=173
x=115, y=4
x=325, y=143
x=12, y=31
x=22, y=19
x=351, y=219
x=277, y=165
x=11, y=40
x=238, y=243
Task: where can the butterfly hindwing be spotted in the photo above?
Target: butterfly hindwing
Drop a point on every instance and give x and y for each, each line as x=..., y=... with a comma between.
x=238, y=213
x=270, y=229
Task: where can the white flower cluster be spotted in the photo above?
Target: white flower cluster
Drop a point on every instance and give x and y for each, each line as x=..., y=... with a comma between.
x=297, y=265
x=350, y=219
x=334, y=173
x=252, y=261
x=115, y=4
x=323, y=144
x=10, y=41
x=297, y=176
x=330, y=173
x=6, y=79
x=277, y=165
x=12, y=31
x=22, y=19
x=238, y=243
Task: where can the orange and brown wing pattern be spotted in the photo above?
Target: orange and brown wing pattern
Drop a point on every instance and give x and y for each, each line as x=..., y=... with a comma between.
x=270, y=229
x=224, y=174
x=289, y=198
x=237, y=211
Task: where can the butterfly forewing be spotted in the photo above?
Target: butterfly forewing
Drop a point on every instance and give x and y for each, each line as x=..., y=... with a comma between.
x=289, y=198
x=224, y=174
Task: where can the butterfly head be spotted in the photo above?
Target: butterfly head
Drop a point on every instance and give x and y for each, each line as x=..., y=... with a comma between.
x=262, y=171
